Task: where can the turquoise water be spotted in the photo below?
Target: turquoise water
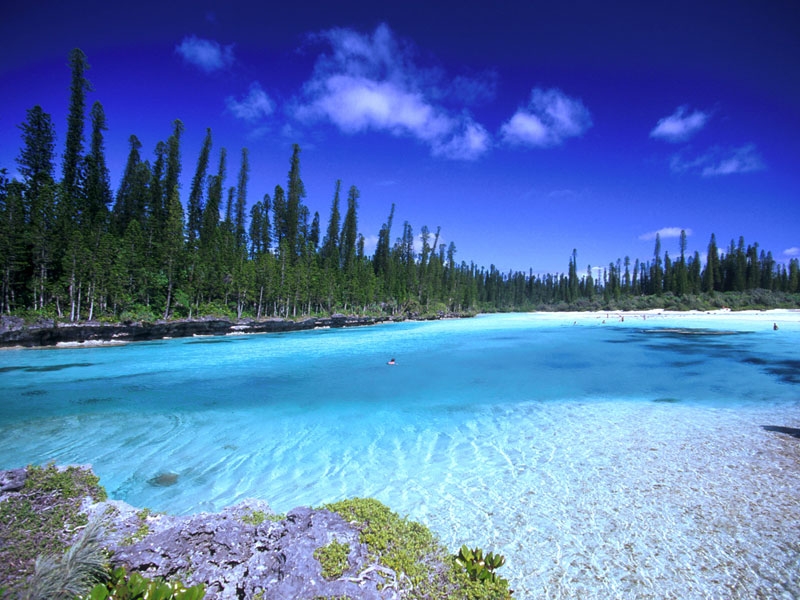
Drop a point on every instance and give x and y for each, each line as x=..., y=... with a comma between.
x=604, y=458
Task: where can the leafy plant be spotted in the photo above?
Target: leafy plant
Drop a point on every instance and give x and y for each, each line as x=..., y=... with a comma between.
x=136, y=587
x=333, y=559
x=480, y=567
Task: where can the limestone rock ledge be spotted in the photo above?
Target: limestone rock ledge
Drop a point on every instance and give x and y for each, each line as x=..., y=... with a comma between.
x=237, y=558
x=244, y=551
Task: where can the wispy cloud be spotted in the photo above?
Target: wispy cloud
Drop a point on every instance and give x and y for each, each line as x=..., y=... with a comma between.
x=720, y=161
x=549, y=118
x=738, y=160
x=793, y=251
x=680, y=125
x=370, y=82
x=207, y=55
x=255, y=105
x=665, y=233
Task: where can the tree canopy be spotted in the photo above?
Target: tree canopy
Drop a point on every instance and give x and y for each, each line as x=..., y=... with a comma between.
x=72, y=249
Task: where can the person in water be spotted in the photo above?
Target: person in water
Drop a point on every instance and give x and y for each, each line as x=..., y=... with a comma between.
x=391, y=362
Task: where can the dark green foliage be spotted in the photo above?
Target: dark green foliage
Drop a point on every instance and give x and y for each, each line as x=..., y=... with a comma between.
x=75, y=123
x=62, y=255
x=122, y=586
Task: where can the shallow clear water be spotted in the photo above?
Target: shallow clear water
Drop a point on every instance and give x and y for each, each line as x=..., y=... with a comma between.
x=603, y=458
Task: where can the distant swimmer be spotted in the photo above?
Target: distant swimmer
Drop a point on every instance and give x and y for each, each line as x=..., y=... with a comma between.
x=391, y=362
x=774, y=327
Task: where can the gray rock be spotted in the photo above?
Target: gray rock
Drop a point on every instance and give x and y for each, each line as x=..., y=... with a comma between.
x=12, y=481
x=238, y=559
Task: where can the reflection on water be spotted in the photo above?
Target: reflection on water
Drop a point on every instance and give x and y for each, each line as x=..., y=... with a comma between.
x=603, y=462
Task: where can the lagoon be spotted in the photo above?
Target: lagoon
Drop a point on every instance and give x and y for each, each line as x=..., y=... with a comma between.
x=651, y=457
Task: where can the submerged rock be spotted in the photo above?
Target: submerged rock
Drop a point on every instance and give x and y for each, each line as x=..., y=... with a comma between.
x=164, y=479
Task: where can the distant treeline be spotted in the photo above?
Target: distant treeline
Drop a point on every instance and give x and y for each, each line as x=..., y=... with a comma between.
x=72, y=249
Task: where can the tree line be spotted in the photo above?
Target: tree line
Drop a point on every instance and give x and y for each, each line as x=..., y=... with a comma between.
x=71, y=248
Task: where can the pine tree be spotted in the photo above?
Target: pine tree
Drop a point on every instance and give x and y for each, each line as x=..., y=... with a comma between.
x=75, y=124
x=350, y=230
x=240, y=225
x=12, y=243
x=194, y=219
x=98, y=187
x=32, y=222
x=210, y=217
x=711, y=275
x=330, y=245
x=295, y=194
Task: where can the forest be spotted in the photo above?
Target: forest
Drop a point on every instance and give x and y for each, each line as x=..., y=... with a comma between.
x=72, y=249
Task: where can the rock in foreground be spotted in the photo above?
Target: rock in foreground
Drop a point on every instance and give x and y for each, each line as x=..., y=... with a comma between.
x=353, y=549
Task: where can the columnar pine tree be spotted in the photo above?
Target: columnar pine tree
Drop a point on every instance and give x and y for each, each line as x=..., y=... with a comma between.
x=194, y=220
x=240, y=226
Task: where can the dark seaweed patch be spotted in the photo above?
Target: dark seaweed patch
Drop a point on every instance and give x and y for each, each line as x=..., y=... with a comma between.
x=788, y=371
x=685, y=331
x=93, y=400
x=792, y=431
x=209, y=342
x=34, y=393
x=755, y=360
x=10, y=369
x=48, y=368
x=682, y=364
x=667, y=400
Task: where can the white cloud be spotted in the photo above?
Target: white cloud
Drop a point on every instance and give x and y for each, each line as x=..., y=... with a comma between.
x=738, y=160
x=680, y=125
x=255, y=105
x=550, y=118
x=467, y=143
x=665, y=233
x=371, y=83
x=370, y=244
x=719, y=161
x=207, y=55
x=793, y=251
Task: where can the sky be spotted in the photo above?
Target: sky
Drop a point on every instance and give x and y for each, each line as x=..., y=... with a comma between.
x=523, y=129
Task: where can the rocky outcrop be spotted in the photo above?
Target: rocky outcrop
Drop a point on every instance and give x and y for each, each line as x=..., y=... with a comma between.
x=242, y=551
x=47, y=332
x=13, y=332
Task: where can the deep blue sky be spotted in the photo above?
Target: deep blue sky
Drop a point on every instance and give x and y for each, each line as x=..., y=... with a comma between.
x=523, y=129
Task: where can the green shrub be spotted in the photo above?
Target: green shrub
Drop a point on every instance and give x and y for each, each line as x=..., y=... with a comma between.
x=333, y=559
x=135, y=587
x=257, y=517
x=415, y=555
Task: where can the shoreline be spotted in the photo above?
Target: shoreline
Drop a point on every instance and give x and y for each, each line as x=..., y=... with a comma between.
x=14, y=335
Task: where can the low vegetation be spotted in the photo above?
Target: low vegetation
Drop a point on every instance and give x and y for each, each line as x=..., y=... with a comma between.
x=420, y=565
x=333, y=559
x=41, y=557
x=43, y=518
